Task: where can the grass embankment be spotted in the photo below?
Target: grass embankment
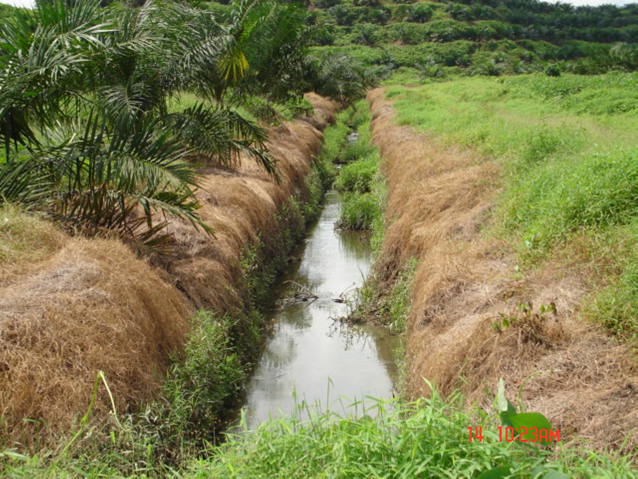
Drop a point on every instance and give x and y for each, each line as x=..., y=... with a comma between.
x=256, y=220
x=520, y=211
x=569, y=159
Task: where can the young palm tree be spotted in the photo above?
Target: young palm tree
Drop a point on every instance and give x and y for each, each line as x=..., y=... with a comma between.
x=83, y=106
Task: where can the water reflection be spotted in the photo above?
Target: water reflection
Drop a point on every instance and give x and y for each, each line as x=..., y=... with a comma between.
x=308, y=352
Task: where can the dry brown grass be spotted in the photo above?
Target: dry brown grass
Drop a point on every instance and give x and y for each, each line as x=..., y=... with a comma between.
x=466, y=284
x=240, y=205
x=70, y=307
x=90, y=305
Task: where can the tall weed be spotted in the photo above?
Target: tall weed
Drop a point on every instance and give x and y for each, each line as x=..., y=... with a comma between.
x=427, y=438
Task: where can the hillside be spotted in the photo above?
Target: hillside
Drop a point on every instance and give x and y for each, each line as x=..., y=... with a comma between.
x=479, y=37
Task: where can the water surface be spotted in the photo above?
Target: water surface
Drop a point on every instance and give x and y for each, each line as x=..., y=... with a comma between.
x=309, y=353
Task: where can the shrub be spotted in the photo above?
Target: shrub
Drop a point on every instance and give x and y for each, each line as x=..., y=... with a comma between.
x=358, y=212
x=199, y=386
x=357, y=177
x=377, y=15
x=343, y=15
x=552, y=71
x=420, y=13
x=366, y=34
x=336, y=75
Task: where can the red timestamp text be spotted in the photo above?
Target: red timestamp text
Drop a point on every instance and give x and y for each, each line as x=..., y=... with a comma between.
x=521, y=434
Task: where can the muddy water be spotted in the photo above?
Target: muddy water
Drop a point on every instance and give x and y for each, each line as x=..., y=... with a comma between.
x=309, y=356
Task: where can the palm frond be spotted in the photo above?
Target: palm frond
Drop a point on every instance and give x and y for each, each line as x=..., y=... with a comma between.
x=24, y=182
x=108, y=180
x=42, y=66
x=221, y=135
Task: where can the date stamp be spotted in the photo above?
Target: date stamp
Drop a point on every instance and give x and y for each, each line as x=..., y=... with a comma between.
x=521, y=434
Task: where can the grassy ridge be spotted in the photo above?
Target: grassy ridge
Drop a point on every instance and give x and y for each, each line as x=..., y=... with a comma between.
x=569, y=154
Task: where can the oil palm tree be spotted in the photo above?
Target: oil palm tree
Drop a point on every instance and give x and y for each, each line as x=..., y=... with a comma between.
x=83, y=108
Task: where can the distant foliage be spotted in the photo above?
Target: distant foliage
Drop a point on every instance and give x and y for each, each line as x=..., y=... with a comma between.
x=343, y=15
x=585, y=40
x=419, y=13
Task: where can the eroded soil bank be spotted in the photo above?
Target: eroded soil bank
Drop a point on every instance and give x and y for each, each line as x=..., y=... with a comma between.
x=70, y=307
x=439, y=202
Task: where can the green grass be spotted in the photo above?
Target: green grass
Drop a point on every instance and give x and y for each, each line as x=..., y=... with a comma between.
x=428, y=438
x=334, y=137
x=358, y=182
x=385, y=438
x=358, y=177
x=569, y=156
x=358, y=211
x=617, y=303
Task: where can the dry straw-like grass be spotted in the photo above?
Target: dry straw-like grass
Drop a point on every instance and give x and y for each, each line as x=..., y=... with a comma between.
x=465, y=286
x=70, y=307
x=90, y=306
x=240, y=205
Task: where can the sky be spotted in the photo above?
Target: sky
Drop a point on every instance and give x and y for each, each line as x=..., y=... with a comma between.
x=29, y=3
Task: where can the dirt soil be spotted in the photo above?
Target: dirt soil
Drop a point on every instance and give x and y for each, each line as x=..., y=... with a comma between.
x=70, y=307
x=466, y=284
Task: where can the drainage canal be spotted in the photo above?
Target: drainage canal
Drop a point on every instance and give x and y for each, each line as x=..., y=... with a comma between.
x=309, y=356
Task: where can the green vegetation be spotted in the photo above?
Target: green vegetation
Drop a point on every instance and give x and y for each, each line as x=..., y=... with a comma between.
x=358, y=183
x=494, y=37
x=358, y=211
x=398, y=301
x=569, y=156
x=105, y=112
x=7, y=13
x=428, y=438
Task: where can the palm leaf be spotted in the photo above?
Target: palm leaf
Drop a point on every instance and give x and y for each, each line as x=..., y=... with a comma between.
x=221, y=135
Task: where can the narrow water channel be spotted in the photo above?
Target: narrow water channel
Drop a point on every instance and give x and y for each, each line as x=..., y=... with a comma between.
x=310, y=355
